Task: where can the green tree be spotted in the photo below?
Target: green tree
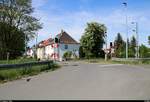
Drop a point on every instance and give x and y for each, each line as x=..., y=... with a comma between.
x=67, y=55
x=144, y=51
x=132, y=47
x=93, y=39
x=149, y=40
x=119, y=46
x=17, y=26
x=81, y=53
x=14, y=45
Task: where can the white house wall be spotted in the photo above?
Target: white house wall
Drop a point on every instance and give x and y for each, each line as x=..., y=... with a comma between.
x=30, y=52
x=40, y=53
x=71, y=47
x=48, y=51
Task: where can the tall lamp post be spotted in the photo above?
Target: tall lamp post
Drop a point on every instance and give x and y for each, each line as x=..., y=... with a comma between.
x=125, y=5
x=137, y=38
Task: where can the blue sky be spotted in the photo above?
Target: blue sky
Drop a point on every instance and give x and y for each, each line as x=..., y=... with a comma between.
x=72, y=16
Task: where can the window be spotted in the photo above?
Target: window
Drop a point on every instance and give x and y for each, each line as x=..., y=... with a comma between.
x=66, y=46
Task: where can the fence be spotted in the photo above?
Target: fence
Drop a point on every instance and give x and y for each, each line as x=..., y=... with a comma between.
x=29, y=65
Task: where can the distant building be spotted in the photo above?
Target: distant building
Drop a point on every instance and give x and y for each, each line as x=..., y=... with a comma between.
x=30, y=52
x=54, y=49
x=110, y=49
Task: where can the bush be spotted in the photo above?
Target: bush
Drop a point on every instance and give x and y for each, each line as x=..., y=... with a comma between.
x=67, y=55
x=102, y=54
x=8, y=75
x=81, y=53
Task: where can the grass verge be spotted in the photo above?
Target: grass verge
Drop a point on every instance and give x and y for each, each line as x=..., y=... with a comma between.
x=102, y=61
x=13, y=74
x=17, y=61
x=141, y=62
x=97, y=60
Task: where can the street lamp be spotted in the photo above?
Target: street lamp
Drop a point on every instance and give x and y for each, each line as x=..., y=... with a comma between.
x=125, y=5
x=137, y=38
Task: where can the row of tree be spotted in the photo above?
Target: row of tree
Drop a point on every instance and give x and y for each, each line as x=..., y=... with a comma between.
x=93, y=40
x=120, y=49
x=17, y=27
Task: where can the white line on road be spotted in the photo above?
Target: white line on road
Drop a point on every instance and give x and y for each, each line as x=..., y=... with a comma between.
x=111, y=65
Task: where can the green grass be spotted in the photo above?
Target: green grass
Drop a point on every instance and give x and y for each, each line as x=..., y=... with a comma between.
x=16, y=61
x=102, y=61
x=13, y=74
x=97, y=60
x=141, y=62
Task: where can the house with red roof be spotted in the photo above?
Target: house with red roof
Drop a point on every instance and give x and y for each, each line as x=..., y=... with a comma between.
x=55, y=48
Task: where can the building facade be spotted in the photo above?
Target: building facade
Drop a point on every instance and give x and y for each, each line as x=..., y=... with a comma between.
x=54, y=49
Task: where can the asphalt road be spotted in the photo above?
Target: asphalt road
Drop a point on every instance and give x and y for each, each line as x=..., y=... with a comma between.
x=82, y=81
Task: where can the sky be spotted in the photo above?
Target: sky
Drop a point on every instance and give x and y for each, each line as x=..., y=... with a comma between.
x=73, y=15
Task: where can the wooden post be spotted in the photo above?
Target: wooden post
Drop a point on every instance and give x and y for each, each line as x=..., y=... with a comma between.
x=7, y=57
x=105, y=56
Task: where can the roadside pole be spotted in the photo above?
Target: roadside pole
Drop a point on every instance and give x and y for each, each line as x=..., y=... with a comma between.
x=126, y=21
x=36, y=46
x=137, y=38
x=25, y=46
x=54, y=52
x=137, y=41
x=105, y=33
x=7, y=57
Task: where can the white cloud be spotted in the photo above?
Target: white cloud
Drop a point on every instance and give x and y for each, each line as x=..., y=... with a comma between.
x=75, y=22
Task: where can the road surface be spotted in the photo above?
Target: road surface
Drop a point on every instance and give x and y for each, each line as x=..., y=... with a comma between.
x=82, y=81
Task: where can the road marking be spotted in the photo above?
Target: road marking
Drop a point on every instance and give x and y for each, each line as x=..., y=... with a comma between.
x=111, y=65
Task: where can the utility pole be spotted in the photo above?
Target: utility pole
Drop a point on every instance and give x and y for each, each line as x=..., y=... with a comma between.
x=54, y=45
x=105, y=33
x=125, y=5
x=137, y=35
x=25, y=45
x=137, y=39
x=36, y=46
